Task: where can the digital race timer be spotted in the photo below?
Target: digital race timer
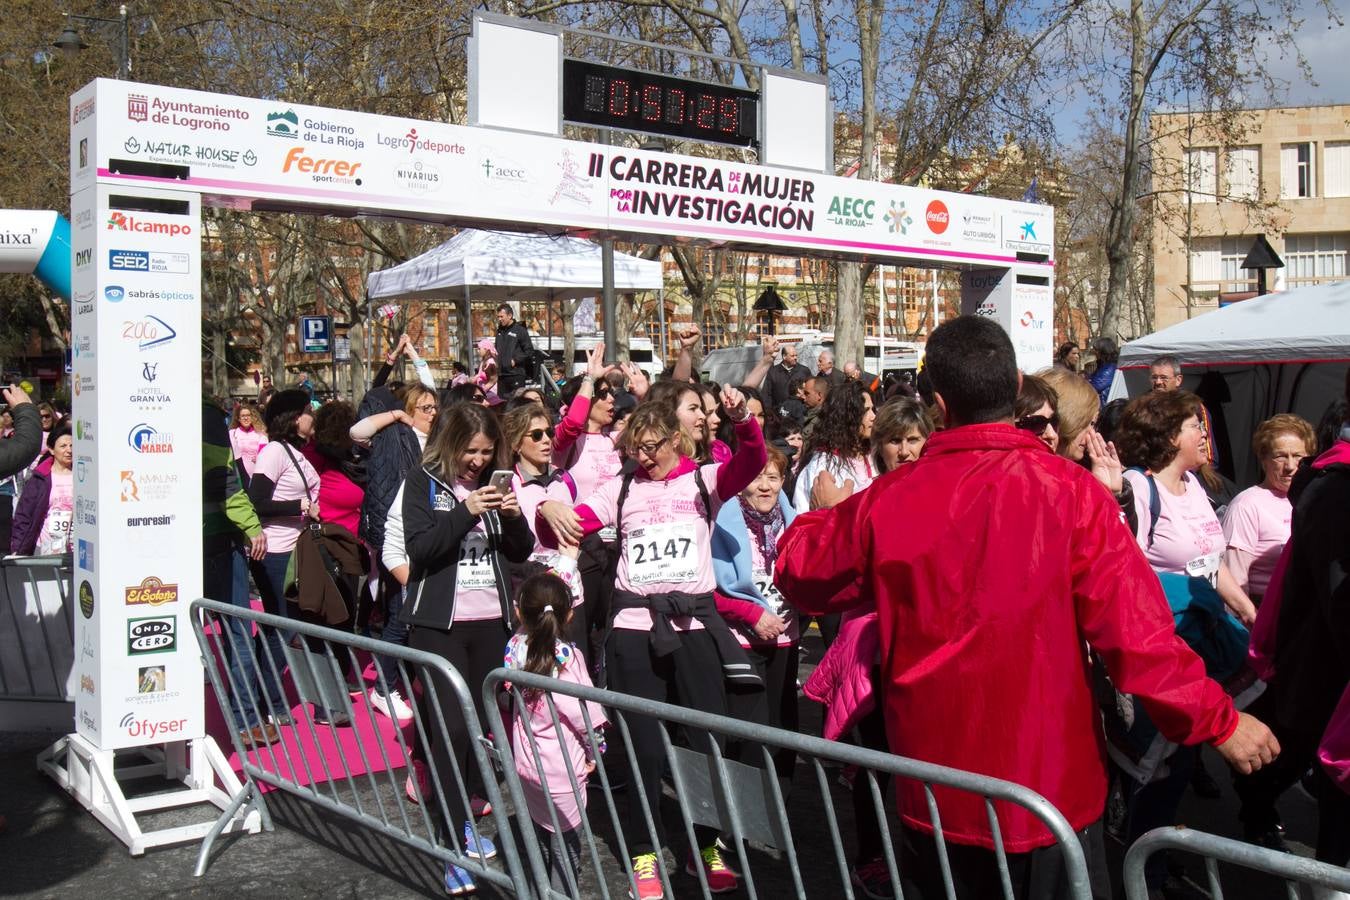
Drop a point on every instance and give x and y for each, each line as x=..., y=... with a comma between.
x=610, y=97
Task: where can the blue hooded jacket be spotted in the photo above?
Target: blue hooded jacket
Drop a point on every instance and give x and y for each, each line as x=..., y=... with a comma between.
x=732, y=560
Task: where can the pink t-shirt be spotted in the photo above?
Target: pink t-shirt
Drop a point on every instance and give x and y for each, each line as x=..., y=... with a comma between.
x=594, y=461
x=1187, y=528
x=340, y=498
x=531, y=495
x=666, y=542
x=276, y=465
x=246, y=444
x=1258, y=522
x=476, y=597
x=56, y=525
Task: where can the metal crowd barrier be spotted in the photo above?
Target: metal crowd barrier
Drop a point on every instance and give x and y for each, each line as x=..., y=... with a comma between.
x=37, y=627
x=1294, y=871
x=345, y=781
x=747, y=803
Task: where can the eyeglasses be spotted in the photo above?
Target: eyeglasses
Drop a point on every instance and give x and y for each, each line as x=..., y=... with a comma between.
x=537, y=434
x=427, y=408
x=650, y=449
x=1037, y=424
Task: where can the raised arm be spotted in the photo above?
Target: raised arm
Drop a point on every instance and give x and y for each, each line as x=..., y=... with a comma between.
x=755, y=377
x=736, y=474
x=684, y=363
x=573, y=425
x=366, y=429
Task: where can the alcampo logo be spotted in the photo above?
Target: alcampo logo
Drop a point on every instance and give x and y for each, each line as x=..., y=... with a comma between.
x=151, y=729
x=937, y=217
x=338, y=171
x=120, y=221
x=145, y=439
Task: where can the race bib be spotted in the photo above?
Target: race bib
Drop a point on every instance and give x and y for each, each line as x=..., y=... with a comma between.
x=475, y=563
x=662, y=554
x=769, y=592
x=1206, y=567
x=56, y=531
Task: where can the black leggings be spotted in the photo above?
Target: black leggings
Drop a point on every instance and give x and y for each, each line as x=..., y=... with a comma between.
x=775, y=704
x=474, y=649
x=690, y=677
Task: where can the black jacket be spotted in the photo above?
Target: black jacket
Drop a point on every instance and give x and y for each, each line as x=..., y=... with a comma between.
x=394, y=452
x=513, y=349
x=777, y=380
x=18, y=451
x=1312, y=642
x=435, y=523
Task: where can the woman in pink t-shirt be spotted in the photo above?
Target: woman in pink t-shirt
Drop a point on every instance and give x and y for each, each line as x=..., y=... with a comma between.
x=247, y=437
x=1161, y=437
x=666, y=635
x=1257, y=522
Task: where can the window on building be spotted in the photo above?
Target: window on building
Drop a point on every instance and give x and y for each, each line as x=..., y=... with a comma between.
x=797, y=269
x=1202, y=174
x=1242, y=168
x=1315, y=258
x=1336, y=169
x=764, y=267
x=1216, y=265
x=430, y=331
x=1296, y=170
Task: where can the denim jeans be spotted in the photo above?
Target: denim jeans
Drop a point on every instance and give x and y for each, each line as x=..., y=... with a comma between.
x=225, y=579
x=269, y=575
x=395, y=632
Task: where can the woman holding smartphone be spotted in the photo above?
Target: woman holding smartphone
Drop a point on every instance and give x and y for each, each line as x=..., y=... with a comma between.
x=459, y=532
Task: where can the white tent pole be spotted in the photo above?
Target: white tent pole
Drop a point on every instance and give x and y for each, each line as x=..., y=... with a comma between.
x=467, y=342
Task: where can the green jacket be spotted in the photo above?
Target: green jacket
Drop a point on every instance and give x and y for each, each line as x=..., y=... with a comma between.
x=226, y=509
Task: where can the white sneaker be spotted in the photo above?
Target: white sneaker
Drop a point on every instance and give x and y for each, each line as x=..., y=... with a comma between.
x=393, y=706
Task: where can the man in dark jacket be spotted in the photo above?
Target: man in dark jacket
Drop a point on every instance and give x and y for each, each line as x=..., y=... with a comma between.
x=513, y=352
x=778, y=380
x=21, y=449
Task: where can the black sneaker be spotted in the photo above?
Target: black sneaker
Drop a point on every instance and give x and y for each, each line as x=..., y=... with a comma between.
x=1270, y=837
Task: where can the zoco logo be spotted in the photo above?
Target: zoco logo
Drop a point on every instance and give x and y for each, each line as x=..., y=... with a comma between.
x=149, y=332
x=151, y=729
x=937, y=217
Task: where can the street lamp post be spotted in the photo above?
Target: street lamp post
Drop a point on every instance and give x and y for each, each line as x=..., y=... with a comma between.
x=70, y=41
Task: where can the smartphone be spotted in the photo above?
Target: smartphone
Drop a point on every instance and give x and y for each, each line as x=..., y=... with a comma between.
x=501, y=480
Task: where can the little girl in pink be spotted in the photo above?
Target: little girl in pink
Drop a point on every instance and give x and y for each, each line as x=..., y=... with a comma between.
x=547, y=749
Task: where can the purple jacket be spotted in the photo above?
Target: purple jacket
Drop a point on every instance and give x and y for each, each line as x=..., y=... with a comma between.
x=32, y=510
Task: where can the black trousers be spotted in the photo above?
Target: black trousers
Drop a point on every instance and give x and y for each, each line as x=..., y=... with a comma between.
x=474, y=649
x=871, y=735
x=1037, y=875
x=775, y=704
x=596, y=568
x=691, y=677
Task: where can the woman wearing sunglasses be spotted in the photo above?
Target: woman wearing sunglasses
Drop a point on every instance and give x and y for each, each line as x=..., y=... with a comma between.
x=528, y=432
x=1035, y=411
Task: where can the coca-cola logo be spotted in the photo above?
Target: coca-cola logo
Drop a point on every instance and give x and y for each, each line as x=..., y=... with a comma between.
x=937, y=217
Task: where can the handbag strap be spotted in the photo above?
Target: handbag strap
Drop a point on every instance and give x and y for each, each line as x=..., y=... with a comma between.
x=299, y=471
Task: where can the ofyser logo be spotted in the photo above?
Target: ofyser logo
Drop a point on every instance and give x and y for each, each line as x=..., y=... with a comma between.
x=152, y=729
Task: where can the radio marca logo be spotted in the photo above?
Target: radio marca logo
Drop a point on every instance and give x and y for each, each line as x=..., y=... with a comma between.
x=144, y=438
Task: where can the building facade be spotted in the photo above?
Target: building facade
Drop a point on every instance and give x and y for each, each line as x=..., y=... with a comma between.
x=1283, y=173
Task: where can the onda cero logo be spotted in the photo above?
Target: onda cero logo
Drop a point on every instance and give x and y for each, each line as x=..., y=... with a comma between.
x=937, y=217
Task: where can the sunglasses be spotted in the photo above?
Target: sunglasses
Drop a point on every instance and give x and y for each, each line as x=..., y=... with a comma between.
x=537, y=434
x=1036, y=424
x=479, y=398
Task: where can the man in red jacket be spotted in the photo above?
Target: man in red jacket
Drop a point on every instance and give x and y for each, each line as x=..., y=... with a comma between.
x=1011, y=559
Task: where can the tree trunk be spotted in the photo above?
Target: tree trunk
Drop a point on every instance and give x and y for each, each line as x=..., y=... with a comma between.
x=1120, y=229
x=848, y=315
x=220, y=375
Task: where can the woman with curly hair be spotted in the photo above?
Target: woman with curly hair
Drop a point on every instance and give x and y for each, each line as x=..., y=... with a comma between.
x=835, y=460
x=247, y=437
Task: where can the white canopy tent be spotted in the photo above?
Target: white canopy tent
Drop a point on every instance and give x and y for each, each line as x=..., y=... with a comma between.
x=1284, y=352
x=500, y=266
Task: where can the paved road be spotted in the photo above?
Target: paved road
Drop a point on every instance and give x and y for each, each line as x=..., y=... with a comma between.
x=54, y=849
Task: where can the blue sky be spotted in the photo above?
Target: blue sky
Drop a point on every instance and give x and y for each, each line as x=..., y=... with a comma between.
x=1324, y=45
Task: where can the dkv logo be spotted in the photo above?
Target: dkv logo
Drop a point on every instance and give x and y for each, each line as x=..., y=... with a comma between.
x=151, y=729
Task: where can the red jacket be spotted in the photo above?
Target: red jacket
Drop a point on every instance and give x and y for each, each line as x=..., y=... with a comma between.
x=992, y=562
